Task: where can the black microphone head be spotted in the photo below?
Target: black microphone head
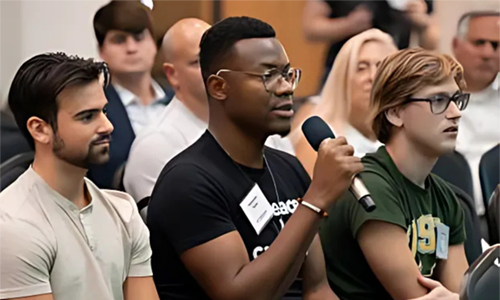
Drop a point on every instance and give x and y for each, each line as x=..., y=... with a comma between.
x=316, y=130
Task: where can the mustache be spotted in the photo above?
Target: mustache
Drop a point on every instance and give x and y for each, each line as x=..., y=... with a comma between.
x=101, y=138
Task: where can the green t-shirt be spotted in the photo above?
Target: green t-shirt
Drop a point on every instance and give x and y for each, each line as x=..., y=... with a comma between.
x=400, y=202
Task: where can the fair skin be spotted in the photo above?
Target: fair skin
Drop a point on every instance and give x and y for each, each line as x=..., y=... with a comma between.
x=130, y=58
x=421, y=135
x=370, y=56
x=182, y=68
x=318, y=26
x=481, y=62
x=81, y=110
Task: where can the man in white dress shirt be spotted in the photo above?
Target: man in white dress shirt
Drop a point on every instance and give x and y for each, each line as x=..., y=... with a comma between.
x=185, y=118
x=61, y=237
x=476, y=48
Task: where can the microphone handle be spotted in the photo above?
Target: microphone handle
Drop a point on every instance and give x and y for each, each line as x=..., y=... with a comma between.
x=359, y=190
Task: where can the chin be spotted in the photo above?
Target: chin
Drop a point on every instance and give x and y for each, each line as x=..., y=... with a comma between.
x=283, y=130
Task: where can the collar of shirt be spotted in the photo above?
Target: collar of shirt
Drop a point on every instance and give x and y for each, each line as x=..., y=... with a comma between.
x=128, y=98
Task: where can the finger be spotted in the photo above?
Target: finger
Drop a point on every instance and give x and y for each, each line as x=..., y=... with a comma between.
x=429, y=283
x=346, y=150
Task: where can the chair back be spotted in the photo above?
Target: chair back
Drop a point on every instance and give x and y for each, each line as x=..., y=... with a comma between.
x=494, y=217
x=489, y=172
x=453, y=168
x=472, y=244
x=481, y=281
x=11, y=169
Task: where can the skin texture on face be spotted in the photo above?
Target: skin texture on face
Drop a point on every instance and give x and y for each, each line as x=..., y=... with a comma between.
x=425, y=130
x=181, y=51
x=127, y=53
x=370, y=55
x=83, y=130
x=480, y=61
x=247, y=102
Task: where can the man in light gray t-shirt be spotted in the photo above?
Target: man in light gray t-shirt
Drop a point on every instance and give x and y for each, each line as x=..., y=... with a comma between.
x=61, y=237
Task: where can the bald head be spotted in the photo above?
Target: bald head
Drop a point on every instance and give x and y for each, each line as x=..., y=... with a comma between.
x=183, y=39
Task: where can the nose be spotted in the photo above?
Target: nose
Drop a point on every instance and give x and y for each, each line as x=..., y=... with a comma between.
x=284, y=88
x=452, y=112
x=131, y=45
x=105, y=127
x=373, y=72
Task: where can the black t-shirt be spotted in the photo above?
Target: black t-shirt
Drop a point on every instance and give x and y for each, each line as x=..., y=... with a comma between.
x=197, y=199
x=385, y=18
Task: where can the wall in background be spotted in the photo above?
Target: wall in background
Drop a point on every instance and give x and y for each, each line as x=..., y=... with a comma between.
x=31, y=27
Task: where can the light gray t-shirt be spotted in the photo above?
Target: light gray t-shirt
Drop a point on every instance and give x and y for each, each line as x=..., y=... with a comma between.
x=48, y=245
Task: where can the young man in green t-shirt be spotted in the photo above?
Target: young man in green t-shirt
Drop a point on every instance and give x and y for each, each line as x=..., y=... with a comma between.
x=417, y=227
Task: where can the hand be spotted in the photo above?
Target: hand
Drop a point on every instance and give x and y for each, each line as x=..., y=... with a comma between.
x=438, y=292
x=333, y=172
x=416, y=10
x=360, y=18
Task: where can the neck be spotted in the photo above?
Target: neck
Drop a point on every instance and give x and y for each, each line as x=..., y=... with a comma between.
x=199, y=107
x=473, y=85
x=139, y=84
x=364, y=129
x=413, y=163
x=62, y=177
x=240, y=146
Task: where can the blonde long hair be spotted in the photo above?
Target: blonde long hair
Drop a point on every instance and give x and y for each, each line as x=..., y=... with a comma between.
x=334, y=106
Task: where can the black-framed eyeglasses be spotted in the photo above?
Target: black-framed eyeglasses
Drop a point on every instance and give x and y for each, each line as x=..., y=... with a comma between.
x=439, y=103
x=272, y=78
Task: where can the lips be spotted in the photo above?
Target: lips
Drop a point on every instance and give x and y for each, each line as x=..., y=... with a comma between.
x=451, y=129
x=285, y=107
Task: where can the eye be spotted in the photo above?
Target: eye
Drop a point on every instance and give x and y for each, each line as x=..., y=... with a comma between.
x=119, y=39
x=139, y=36
x=89, y=116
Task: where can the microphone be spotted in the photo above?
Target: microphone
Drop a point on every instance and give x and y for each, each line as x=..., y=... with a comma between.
x=315, y=131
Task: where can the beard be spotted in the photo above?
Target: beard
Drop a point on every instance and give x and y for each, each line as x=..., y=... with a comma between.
x=94, y=155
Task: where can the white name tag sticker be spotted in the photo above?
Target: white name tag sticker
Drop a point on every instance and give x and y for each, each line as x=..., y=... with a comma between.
x=257, y=209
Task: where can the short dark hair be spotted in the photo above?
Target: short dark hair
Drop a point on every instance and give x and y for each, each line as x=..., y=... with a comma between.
x=217, y=42
x=41, y=79
x=129, y=16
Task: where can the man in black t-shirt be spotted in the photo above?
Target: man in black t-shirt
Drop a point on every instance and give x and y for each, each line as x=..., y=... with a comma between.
x=228, y=217
x=336, y=21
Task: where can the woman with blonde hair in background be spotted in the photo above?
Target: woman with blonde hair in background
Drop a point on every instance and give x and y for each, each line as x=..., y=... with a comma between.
x=345, y=99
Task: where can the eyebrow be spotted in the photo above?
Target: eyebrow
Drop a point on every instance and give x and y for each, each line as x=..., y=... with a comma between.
x=83, y=112
x=445, y=93
x=273, y=66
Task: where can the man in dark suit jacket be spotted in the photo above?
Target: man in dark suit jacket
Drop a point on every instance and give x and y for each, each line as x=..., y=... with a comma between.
x=125, y=36
x=12, y=140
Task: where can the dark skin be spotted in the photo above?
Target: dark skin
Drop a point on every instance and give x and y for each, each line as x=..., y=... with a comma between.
x=241, y=119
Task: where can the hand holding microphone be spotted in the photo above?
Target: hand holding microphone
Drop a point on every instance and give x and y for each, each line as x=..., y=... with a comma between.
x=335, y=167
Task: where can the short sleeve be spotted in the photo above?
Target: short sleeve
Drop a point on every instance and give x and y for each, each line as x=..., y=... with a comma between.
x=140, y=263
x=388, y=205
x=26, y=258
x=147, y=158
x=188, y=208
x=457, y=221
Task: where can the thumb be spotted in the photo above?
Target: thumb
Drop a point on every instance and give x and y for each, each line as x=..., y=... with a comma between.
x=428, y=283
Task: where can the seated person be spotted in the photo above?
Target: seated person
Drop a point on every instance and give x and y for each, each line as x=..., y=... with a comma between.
x=124, y=32
x=475, y=47
x=345, y=99
x=62, y=237
x=207, y=241
x=11, y=139
x=418, y=225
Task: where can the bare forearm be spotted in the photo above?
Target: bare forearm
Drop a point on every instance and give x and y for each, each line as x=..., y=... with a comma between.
x=280, y=261
x=329, y=30
x=428, y=37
